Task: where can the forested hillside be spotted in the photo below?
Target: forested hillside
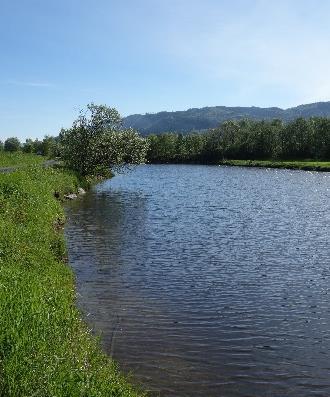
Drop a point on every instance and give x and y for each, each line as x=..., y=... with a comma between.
x=210, y=117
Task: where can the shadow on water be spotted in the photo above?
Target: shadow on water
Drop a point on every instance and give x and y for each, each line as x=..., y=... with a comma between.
x=209, y=281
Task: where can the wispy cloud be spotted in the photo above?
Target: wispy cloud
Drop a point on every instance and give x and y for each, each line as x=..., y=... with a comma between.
x=255, y=48
x=36, y=84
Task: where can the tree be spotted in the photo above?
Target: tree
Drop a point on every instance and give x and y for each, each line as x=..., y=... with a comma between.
x=50, y=146
x=320, y=138
x=28, y=146
x=38, y=147
x=12, y=145
x=97, y=142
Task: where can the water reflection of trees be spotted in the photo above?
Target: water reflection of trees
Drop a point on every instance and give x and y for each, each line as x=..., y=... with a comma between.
x=107, y=223
x=105, y=236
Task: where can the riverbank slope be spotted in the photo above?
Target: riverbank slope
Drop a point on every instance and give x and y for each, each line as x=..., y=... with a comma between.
x=45, y=348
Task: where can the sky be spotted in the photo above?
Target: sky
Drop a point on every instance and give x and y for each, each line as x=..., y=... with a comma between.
x=153, y=55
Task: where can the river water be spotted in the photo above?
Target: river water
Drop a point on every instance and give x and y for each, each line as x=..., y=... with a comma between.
x=209, y=281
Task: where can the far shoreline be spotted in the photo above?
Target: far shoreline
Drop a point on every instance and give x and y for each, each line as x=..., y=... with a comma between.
x=323, y=166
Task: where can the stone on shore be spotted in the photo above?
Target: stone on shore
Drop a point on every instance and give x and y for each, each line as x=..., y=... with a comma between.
x=71, y=196
x=81, y=191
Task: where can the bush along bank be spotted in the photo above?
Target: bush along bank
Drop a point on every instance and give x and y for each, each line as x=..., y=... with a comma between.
x=45, y=348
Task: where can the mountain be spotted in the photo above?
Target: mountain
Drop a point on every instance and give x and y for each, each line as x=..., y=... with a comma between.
x=197, y=119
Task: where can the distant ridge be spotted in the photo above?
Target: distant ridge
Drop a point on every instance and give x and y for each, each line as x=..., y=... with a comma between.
x=197, y=119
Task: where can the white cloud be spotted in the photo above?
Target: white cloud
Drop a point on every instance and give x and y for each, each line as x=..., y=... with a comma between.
x=254, y=46
x=36, y=84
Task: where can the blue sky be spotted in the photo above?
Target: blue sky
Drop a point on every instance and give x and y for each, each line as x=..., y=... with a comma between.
x=152, y=55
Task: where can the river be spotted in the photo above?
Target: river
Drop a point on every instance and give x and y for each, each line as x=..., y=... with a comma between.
x=209, y=281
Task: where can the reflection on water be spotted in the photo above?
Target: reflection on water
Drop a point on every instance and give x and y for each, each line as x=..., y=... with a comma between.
x=209, y=281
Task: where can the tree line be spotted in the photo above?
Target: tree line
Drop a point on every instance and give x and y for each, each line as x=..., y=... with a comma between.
x=49, y=146
x=246, y=140
x=97, y=142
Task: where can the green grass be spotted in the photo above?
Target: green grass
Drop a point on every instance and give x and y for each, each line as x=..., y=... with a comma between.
x=297, y=165
x=45, y=348
x=19, y=159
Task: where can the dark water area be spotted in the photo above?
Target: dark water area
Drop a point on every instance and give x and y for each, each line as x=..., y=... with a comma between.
x=209, y=281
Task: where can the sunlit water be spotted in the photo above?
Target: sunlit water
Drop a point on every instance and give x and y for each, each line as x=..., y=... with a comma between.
x=209, y=281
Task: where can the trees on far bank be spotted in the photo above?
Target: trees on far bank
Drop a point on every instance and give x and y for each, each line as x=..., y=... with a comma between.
x=247, y=140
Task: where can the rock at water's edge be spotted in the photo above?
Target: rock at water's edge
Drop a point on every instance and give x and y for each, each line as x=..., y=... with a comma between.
x=81, y=190
x=71, y=196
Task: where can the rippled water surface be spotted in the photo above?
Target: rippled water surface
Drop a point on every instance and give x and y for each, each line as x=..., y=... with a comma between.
x=209, y=281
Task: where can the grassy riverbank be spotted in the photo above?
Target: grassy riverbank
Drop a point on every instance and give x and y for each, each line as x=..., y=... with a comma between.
x=294, y=165
x=45, y=348
x=19, y=159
